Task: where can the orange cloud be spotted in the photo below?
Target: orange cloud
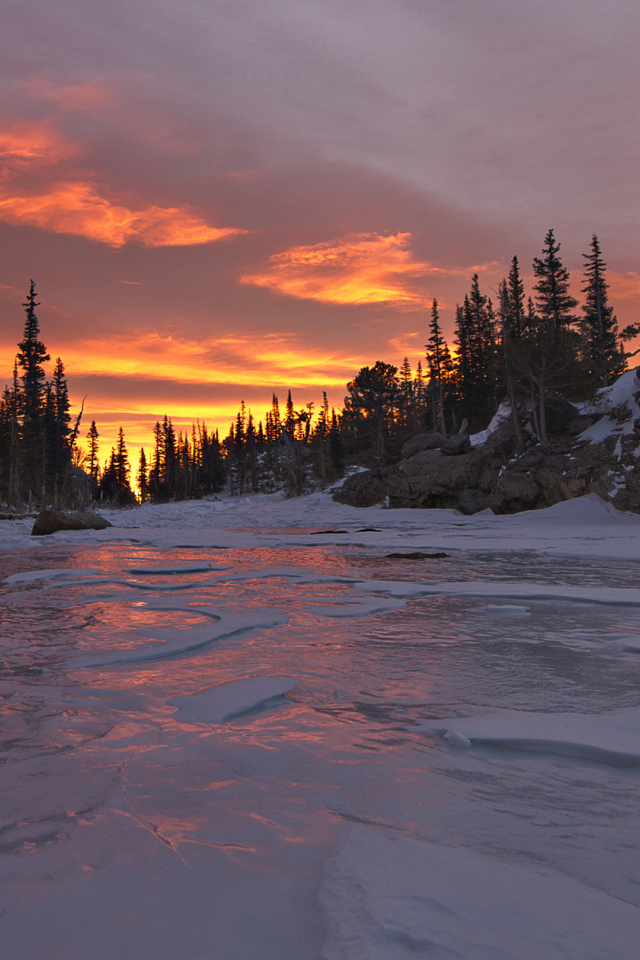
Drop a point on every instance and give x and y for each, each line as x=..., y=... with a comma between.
x=32, y=144
x=78, y=208
x=356, y=269
x=220, y=360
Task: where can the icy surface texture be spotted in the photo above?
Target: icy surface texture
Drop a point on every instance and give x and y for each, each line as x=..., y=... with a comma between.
x=218, y=704
x=231, y=732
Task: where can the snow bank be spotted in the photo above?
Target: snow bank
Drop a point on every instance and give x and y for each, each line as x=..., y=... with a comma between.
x=391, y=897
x=621, y=392
x=609, y=738
x=220, y=703
x=503, y=413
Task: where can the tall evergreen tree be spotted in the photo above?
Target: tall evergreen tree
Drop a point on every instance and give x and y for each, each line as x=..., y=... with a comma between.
x=93, y=462
x=513, y=312
x=598, y=324
x=554, y=302
x=32, y=353
x=142, y=478
x=435, y=356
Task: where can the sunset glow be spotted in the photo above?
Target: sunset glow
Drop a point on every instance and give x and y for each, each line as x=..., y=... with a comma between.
x=366, y=268
x=78, y=208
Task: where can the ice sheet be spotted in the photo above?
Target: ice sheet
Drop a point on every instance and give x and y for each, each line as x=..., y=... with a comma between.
x=220, y=703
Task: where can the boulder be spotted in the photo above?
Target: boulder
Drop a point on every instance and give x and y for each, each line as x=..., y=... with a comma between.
x=421, y=441
x=518, y=490
x=456, y=445
x=50, y=521
x=361, y=490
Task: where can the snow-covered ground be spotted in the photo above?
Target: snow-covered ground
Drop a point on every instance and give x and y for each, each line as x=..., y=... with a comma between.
x=239, y=730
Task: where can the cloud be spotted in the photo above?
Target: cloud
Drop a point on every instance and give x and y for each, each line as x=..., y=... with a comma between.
x=363, y=268
x=232, y=360
x=78, y=208
x=28, y=143
x=81, y=207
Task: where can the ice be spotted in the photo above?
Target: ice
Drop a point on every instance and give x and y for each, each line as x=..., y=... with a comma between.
x=220, y=703
x=612, y=738
x=452, y=778
x=530, y=591
x=354, y=609
x=33, y=576
x=175, y=643
x=390, y=897
x=179, y=568
x=507, y=610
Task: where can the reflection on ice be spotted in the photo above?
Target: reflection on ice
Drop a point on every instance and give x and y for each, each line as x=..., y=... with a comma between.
x=137, y=823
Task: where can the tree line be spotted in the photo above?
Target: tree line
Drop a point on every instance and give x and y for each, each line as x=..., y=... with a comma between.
x=523, y=350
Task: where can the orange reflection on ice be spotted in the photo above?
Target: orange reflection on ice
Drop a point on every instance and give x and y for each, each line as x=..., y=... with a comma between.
x=79, y=208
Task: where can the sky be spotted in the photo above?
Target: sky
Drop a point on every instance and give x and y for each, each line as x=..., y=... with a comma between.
x=219, y=199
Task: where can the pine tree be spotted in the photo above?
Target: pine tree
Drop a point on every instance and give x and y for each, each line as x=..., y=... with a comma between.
x=435, y=347
x=512, y=306
x=32, y=353
x=598, y=324
x=93, y=463
x=555, y=303
x=290, y=420
x=141, y=477
x=61, y=452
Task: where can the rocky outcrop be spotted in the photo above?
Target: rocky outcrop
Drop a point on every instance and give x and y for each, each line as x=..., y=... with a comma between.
x=421, y=441
x=494, y=475
x=50, y=521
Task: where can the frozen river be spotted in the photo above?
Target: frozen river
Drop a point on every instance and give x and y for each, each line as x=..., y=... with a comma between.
x=439, y=757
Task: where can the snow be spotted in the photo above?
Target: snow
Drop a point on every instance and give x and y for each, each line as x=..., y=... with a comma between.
x=621, y=392
x=609, y=738
x=503, y=413
x=217, y=704
x=393, y=897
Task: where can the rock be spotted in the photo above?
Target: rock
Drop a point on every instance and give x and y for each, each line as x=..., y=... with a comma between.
x=518, y=489
x=580, y=423
x=456, y=445
x=421, y=441
x=361, y=490
x=50, y=521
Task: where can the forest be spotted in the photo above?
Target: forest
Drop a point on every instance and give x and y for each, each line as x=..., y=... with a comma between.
x=516, y=349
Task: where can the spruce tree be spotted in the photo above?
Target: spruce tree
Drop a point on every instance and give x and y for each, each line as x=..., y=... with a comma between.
x=435, y=351
x=514, y=315
x=554, y=302
x=141, y=477
x=598, y=325
x=62, y=453
x=32, y=353
x=93, y=462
